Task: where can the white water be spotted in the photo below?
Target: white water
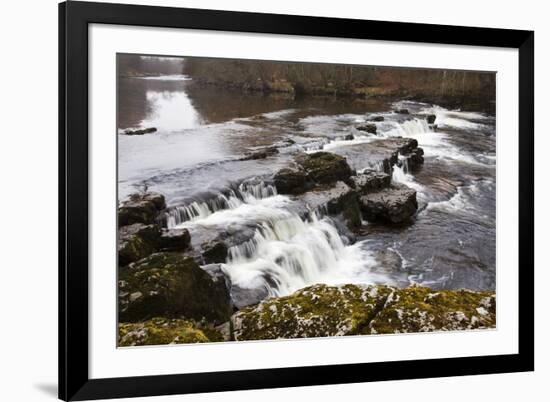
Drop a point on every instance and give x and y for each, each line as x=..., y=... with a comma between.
x=290, y=253
x=249, y=193
x=286, y=252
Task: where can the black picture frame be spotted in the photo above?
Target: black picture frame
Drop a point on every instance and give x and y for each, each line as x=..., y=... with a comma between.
x=74, y=18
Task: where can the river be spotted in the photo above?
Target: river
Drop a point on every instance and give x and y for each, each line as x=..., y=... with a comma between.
x=194, y=159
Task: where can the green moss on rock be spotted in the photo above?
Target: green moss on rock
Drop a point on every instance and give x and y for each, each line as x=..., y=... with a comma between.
x=325, y=167
x=163, y=331
x=322, y=310
x=172, y=285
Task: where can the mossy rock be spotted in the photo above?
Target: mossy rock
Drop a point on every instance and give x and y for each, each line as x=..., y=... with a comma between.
x=137, y=241
x=171, y=285
x=316, y=311
x=322, y=310
x=420, y=309
x=292, y=180
x=163, y=331
x=141, y=208
x=175, y=240
x=325, y=167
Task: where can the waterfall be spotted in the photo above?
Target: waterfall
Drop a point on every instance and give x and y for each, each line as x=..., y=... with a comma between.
x=291, y=253
x=246, y=192
x=412, y=127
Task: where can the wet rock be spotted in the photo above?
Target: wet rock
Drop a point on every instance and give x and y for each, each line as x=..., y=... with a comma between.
x=349, y=137
x=416, y=158
x=324, y=167
x=370, y=181
x=369, y=128
x=321, y=310
x=214, y=252
x=430, y=118
x=175, y=240
x=141, y=208
x=338, y=199
x=378, y=155
x=395, y=204
x=261, y=154
x=376, y=118
x=432, y=127
x=291, y=180
x=216, y=273
x=137, y=241
x=171, y=285
x=142, y=131
x=243, y=297
x=164, y=331
x=402, y=111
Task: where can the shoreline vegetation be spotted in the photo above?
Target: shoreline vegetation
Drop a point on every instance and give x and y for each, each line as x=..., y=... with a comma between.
x=466, y=90
x=449, y=88
x=172, y=288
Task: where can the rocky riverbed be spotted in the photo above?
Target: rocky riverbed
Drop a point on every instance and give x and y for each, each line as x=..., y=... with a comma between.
x=282, y=253
x=261, y=200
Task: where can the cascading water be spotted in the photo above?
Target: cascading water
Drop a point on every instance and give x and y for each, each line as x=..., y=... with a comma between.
x=412, y=127
x=291, y=253
x=246, y=192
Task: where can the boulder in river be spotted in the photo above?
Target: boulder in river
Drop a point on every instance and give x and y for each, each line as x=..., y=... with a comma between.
x=376, y=118
x=370, y=181
x=261, y=154
x=137, y=241
x=402, y=111
x=140, y=131
x=395, y=204
x=324, y=167
x=171, y=285
x=291, y=180
x=430, y=118
x=214, y=252
x=322, y=310
x=369, y=128
x=141, y=208
x=174, y=240
x=349, y=137
x=337, y=199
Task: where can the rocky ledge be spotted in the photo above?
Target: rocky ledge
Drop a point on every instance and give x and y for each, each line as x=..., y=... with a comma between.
x=163, y=331
x=322, y=310
x=171, y=285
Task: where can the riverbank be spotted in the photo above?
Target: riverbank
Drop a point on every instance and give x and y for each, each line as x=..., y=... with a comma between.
x=467, y=90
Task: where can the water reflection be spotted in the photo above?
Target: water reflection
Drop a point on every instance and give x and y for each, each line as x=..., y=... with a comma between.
x=170, y=111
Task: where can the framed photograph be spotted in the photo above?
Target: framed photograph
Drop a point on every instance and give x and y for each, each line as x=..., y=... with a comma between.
x=258, y=201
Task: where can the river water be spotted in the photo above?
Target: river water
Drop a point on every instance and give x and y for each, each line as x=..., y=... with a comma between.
x=193, y=160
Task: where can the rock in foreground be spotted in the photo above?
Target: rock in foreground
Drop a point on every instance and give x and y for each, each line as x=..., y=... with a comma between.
x=141, y=208
x=322, y=310
x=137, y=241
x=162, y=331
x=171, y=285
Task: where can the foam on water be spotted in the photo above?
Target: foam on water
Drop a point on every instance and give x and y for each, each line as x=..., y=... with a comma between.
x=290, y=253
